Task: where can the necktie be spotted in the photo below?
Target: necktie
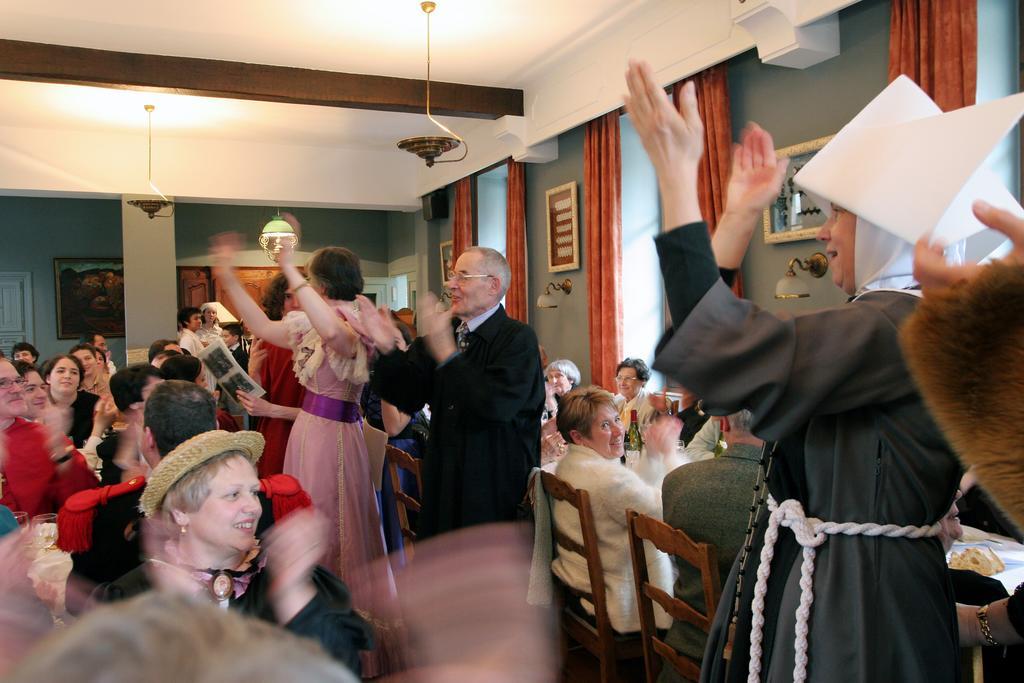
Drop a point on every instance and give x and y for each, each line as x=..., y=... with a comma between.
x=462, y=336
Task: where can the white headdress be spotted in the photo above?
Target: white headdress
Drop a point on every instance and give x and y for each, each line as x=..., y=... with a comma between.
x=905, y=168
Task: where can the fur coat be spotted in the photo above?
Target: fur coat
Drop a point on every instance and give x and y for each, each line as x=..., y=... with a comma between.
x=965, y=347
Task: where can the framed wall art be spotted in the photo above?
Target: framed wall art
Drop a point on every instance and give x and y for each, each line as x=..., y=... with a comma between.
x=90, y=296
x=447, y=263
x=563, y=228
x=793, y=216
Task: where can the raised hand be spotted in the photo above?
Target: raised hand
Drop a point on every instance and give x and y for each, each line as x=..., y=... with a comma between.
x=674, y=140
x=757, y=174
x=931, y=268
x=223, y=248
x=754, y=183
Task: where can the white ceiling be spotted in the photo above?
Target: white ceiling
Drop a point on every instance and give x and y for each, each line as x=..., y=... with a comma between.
x=481, y=42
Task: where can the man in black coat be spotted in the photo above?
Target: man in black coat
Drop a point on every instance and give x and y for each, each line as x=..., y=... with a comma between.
x=480, y=372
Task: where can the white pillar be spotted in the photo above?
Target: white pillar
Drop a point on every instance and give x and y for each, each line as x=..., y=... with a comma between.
x=150, y=279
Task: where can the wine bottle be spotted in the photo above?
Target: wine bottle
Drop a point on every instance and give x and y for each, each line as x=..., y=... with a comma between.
x=634, y=441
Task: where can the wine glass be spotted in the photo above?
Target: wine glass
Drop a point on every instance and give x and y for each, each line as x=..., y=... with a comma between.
x=44, y=531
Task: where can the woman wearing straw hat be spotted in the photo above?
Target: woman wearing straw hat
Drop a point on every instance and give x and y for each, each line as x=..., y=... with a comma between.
x=204, y=493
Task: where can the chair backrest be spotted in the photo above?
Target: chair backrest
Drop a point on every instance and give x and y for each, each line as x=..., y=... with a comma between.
x=398, y=459
x=588, y=550
x=703, y=556
x=376, y=441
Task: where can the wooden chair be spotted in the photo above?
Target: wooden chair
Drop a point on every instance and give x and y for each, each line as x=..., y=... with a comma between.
x=702, y=556
x=598, y=638
x=398, y=459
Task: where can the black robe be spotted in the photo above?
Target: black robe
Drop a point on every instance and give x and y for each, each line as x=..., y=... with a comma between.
x=486, y=404
x=328, y=618
x=857, y=445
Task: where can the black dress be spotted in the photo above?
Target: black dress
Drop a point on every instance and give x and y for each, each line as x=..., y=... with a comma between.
x=81, y=417
x=485, y=405
x=328, y=618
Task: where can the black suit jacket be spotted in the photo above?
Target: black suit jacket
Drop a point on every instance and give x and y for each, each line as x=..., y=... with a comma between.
x=485, y=405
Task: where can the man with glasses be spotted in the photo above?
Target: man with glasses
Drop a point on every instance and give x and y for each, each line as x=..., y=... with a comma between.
x=47, y=468
x=480, y=372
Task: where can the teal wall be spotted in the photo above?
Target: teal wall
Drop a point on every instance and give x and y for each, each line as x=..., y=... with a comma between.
x=799, y=105
x=364, y=232
x=35, y=231
x=562, y=331
x=401, y=235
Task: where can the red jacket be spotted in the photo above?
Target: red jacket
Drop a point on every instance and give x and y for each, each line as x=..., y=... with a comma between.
x=31, y=479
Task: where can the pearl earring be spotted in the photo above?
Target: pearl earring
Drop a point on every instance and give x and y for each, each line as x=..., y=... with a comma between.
x=184, y=530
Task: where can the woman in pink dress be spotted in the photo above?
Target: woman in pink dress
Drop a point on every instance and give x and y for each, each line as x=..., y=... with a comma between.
x=326, y=451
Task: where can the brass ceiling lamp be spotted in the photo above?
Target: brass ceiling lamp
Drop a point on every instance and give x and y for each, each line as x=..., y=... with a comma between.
x=429, y=147
x=153, y=206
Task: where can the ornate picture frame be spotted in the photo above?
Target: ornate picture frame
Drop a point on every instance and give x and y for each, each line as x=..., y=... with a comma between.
x=90, y=296
x=793, y=216
x=563, y=228
x=447, y=262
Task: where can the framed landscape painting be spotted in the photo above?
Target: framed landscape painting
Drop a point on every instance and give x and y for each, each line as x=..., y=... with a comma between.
x=90, y=296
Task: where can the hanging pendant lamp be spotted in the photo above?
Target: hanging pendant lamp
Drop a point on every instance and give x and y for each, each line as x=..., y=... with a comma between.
x=276, y=235
x=429, y=147
x=153, y=206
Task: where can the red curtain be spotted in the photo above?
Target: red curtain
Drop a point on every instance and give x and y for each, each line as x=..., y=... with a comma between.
x=712, y=88
x=602, y=214
x=462, y=223
x=935, y=42
x=515, y=241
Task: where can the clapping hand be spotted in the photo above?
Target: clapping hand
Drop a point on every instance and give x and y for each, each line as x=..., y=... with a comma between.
x=436, y=328
x=931, y=268
x=375, y=325
x=294, y=546
x=662, y=435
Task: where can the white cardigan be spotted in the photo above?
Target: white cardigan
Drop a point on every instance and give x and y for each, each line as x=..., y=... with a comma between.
x=613, y=488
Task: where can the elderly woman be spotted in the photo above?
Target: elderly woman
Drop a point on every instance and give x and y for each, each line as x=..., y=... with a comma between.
x=205, y=493
x=590, y=424
x=560, y=377
x=631, y=377
x=856, y=443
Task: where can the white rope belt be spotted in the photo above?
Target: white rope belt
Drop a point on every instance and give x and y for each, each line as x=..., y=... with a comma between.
x=810, y=533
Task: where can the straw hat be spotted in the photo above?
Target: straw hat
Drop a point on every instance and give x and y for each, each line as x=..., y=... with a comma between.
x=194, y=453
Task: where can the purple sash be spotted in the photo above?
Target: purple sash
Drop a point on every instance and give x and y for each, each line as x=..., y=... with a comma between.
x=331, y=408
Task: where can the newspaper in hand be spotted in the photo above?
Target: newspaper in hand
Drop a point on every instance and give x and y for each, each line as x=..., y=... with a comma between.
x=230, y=375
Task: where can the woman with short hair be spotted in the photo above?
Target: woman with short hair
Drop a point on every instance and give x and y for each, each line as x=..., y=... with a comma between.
x=205, y=493
x=589, y=422
x=631, y=377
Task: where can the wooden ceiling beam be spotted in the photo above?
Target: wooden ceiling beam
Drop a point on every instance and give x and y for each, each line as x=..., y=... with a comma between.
x=25, y=61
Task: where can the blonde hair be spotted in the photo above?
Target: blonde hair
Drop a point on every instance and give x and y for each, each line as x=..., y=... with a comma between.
x=190, y=492
x=578, y=409
x=164, y=638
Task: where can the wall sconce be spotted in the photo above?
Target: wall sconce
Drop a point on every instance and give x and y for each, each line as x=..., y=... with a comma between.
x=790, y=286
x=547, y=299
